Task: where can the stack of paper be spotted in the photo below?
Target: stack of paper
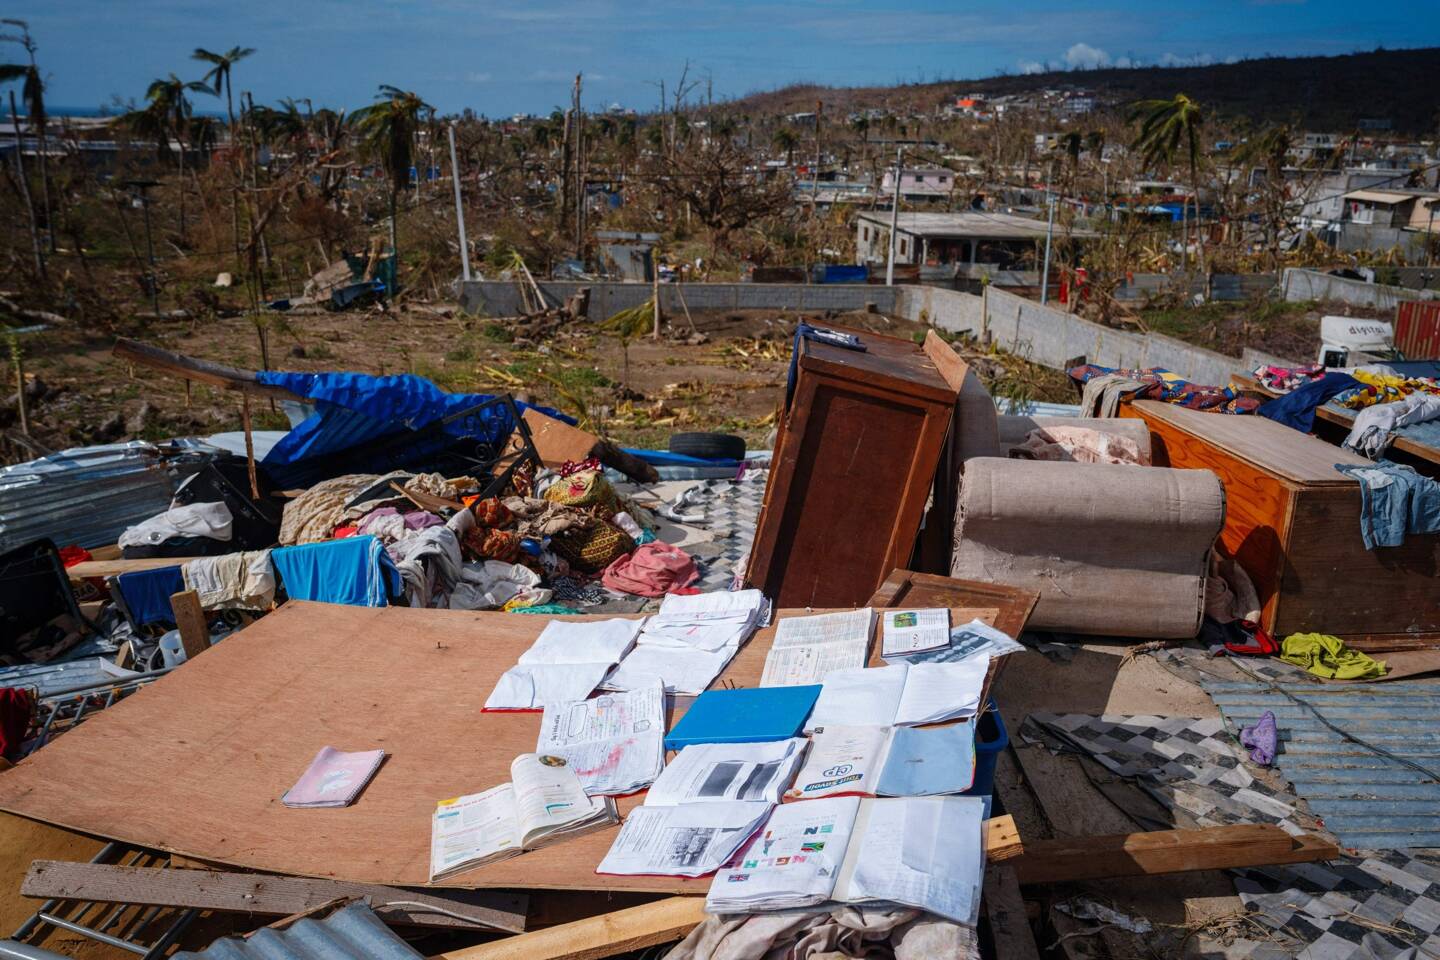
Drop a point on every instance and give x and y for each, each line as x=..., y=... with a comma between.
x=543, y=804
x=905, y=633
x=691, y=640
x=614, y=743
x=926, y=853
x=973, y=639
x=333, y=778
x=887, y=762
x=901, y=694
x=567, y=661
x=807, y=649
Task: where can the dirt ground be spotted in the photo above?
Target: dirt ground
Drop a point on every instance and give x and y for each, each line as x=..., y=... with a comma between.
x=728, y=378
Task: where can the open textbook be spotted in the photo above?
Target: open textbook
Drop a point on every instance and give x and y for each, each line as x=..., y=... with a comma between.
x=900, y=694
x=707, y=772
x=690, y=640
x=973, y=639
x=906, y=632
x=542, y=804
x=887, y=762
x=924, y=852
x=615, y=743
x=807, y=649
x=566, y=662
x=687, y=841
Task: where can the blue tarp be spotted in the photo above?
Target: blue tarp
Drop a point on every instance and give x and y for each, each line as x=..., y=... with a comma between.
x=841, y=273
x=353, y=409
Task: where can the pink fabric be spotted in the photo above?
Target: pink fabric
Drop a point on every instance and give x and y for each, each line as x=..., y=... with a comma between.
x=652, y=570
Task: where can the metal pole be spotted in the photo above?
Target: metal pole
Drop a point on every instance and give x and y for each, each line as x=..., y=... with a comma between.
x=1430, y=238
x=894, y=215
x=150, y=250
x=459, y=208
x=1049, y=235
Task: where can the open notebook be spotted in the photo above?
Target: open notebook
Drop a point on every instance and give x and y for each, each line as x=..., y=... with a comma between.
x=900, y=694
x=541, y=805
x=887, y=762
x=925, y=852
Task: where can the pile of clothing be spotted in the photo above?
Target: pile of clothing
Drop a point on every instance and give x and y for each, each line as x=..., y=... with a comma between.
x=1285, y=379
x=1105, y=386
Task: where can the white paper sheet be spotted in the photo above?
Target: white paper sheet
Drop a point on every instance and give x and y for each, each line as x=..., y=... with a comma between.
x=807, y=649
x=531, y=686
x=942, y=691
x=615, y=742
x=905, y=632
x=843, y=760
x=683, y=670
x=862, y=696
x=688, y=841
x=924, y=852
x=973, y=639
x=690, y=640
x=793, y=862
x=709, y=772
x=600, y=641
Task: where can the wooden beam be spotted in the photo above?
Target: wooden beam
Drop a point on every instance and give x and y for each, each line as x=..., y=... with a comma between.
x=190, y=620
x=269, y=895
x=1166, y=851
x=1004, y=908
x=113, y=568
x=190, y=368
x=593, y=938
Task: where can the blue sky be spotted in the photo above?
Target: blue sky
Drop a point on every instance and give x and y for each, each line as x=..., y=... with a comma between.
x=518, y=56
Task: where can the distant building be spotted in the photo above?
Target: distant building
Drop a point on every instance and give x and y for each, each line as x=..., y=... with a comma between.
x=918, y=184
x=1045, y=142
x=1077, y=105
x=1403, y=209
x=1001, y=239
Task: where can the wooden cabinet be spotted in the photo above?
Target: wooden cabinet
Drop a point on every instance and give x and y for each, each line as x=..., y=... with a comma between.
x=1293, y=522
x=854, y=461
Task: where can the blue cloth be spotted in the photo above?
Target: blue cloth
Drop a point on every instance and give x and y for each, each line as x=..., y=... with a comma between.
x=352, y=570
x=1296, y=409
x=147, y=594
x=354, y=410
x=805, y=331
x=1394, y=501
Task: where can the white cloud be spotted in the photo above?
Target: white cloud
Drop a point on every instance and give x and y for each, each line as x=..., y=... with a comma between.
x=1193, y=60
x=1082, y=56
x=1032, y=66
x=475, y=77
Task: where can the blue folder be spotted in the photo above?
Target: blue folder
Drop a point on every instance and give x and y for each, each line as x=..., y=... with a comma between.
x=746, y=715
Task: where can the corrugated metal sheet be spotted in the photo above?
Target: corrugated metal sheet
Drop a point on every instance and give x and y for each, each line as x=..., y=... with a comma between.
x=352, y=933
x=1417, y=329
x=1036, y=408
x=88, y=495
x=1368, y=800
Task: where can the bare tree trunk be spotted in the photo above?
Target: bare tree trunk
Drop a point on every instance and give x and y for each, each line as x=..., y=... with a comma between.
x=25, y=191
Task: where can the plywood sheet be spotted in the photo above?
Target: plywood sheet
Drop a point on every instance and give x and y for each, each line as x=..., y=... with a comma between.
x=196, y=763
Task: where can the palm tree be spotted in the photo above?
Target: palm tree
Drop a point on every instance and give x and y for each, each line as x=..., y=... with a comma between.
x=219, y=76
x=32, y=92
x=785, y=139
x=1164, y=126
x=169, y=103
x=388, y=130
x=861, y=125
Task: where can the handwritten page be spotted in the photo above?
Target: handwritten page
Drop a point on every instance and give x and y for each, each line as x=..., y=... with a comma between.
x=942, y=691
x=861, y=696
x=615, y=742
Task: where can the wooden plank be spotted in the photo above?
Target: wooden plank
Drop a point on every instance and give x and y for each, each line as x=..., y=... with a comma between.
x=113, y=568
x=593, y=938
x=203, y=371
x=190, y=621
x=1002, y=839
x=1009, y=926
x=227, y=735
x=267, y=894
x=1166, y=851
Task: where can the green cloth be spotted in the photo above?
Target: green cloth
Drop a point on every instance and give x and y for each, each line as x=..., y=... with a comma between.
x=1329, y=658
x=547, y=608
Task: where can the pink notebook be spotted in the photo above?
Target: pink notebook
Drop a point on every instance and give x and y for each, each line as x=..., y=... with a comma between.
x=334, y=779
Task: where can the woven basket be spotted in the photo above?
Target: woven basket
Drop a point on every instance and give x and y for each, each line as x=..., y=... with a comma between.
x=594, y=548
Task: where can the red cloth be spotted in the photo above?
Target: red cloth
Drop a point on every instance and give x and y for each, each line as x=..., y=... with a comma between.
x=16, y=706
x=652, y=570
x=340, y=533
x=72, y=555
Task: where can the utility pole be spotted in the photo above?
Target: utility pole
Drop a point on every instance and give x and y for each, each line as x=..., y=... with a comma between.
x=459, y=207
x=579, y=172
x=894, y=215
x=1049, y=235
x=1430, y=238
x=815, y=174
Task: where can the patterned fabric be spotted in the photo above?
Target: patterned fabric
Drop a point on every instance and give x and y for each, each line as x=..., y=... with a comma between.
x=487, y=543
x=728, y=510
x=1285, y=379
x=587, y=489
x=593, y=548
x=1163, y=385
x=1362, y=906
x=491, y=513
x=570, y=467
x=1383, y=388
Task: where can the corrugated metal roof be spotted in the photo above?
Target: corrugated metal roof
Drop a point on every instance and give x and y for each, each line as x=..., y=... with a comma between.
x=351, y=933
x=88, y=495
x=1367, y=799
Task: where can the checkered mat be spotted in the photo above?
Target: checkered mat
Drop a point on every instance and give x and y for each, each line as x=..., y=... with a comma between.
x=728, y=511
x=1372, y=905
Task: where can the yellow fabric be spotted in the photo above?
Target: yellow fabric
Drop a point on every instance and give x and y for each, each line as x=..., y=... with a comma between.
x=1384, y=388
x=1327, y=657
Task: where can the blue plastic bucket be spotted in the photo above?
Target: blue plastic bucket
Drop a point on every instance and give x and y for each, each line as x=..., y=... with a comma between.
x=990, y=739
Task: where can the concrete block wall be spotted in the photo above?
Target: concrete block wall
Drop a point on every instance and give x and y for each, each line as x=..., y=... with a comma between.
x=498, y=298
x=1298, y=284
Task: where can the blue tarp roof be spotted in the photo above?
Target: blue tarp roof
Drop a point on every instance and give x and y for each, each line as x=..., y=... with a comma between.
x=356, y=409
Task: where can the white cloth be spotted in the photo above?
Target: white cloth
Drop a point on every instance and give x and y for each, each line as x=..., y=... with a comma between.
x=427, y=583
x=212, y=520
x=243, y=581
x=490, y=583
x=1376, y=424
